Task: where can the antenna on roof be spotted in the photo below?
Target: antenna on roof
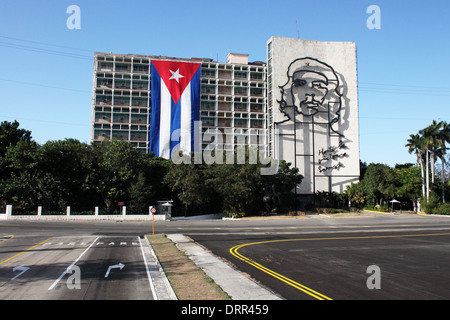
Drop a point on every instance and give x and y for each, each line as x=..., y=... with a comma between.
x=296, y=27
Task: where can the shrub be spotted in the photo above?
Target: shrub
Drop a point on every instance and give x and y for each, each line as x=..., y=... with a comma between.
x=232, y=214
x=443, y=208
x=432, y=204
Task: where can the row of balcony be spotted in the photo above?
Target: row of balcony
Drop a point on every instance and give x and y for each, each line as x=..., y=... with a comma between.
x=227, y=106
x=207, y=122
x=119, y=137
x=106, y=85
x=205, y=88
x=103, y=101
x=204, y=105
x=120, y=67
x=230, y=75
x=237, y=91
x=238, y=123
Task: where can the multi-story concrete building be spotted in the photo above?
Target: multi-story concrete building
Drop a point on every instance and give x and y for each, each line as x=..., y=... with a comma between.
x=302, y=106
x=313, y=111
x=233, y=100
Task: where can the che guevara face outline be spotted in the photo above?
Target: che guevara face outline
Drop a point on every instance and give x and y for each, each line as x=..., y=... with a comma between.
x=311, y=88
x=308, y=91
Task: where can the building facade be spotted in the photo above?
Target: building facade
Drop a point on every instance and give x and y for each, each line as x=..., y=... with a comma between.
x=313, y=111
x=232, y=106
x=301, y=106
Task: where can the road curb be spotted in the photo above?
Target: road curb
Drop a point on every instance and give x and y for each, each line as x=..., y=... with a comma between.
x=161, y=285
x=233, y=282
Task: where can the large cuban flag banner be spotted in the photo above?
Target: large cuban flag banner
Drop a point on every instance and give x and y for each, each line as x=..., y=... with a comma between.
x=175, y=96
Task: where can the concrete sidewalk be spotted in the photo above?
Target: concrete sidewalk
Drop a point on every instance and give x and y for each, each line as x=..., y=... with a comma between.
x=233, y=282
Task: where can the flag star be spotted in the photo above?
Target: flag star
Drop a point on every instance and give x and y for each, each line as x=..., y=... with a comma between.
x=176, y=75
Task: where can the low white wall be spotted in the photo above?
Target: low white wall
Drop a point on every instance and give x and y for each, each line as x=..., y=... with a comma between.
x=158, y=217
x=68, y=216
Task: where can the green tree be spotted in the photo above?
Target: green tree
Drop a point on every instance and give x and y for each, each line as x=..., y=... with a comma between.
x=64, y=168
x=286, y=179
x=10, y=134
x=409, y=182
x=53, y=175
x=154, y=169
x=430, y=143
x=443, y=140
x=355, y=194
x=117, y=168
x=20, y=186
x=378, y=183
x=415, y=144
x=239, y=186
x=141, y=194
x=187, y=180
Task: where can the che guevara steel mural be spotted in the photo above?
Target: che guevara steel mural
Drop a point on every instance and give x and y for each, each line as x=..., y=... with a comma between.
x=312, y=96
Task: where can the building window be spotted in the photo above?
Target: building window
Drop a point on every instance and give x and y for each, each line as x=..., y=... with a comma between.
x=208, y=72
x=240, y=122
x=121, y=67
x=140, y=68
x=240, y=75
x=240, y=90
x=240, y=106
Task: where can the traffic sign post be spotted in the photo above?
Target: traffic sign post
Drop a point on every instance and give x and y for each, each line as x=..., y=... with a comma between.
x=153, y=211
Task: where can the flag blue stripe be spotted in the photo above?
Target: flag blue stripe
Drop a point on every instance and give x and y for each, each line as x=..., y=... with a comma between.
x=155, y=111
x=195, y=108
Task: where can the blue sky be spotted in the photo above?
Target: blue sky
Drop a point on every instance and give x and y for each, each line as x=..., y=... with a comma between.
x=46, y=68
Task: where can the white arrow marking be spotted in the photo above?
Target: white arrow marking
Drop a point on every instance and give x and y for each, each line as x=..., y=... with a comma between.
x=120, y=265
x=22, y=270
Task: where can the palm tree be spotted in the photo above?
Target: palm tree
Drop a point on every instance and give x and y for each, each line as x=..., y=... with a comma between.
x=430, y=143
x=414, y=144
x=443, y=139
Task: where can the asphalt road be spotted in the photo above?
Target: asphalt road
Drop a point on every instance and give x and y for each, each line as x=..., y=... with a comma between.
x=410, y=265
x=73, y=268
x=300, y=259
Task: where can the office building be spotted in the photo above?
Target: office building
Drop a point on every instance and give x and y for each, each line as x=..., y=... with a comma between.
x=301, y=106
x=233, y=100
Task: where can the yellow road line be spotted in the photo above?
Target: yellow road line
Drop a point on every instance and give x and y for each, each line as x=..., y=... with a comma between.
x=305, y=289
x=290, y=282
x=25, y=251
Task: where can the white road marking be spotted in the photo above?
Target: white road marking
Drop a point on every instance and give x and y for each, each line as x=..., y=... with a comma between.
x=150, y=280
x=22, y=270
x=120, y=266
x=70, y=267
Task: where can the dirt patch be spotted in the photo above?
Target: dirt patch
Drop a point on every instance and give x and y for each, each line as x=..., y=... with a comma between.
x=188, y=281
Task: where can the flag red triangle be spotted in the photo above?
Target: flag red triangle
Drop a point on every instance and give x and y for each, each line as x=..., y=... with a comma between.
x=176, y=75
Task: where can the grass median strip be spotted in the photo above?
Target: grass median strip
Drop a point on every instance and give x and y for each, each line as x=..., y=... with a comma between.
x=188, y=281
